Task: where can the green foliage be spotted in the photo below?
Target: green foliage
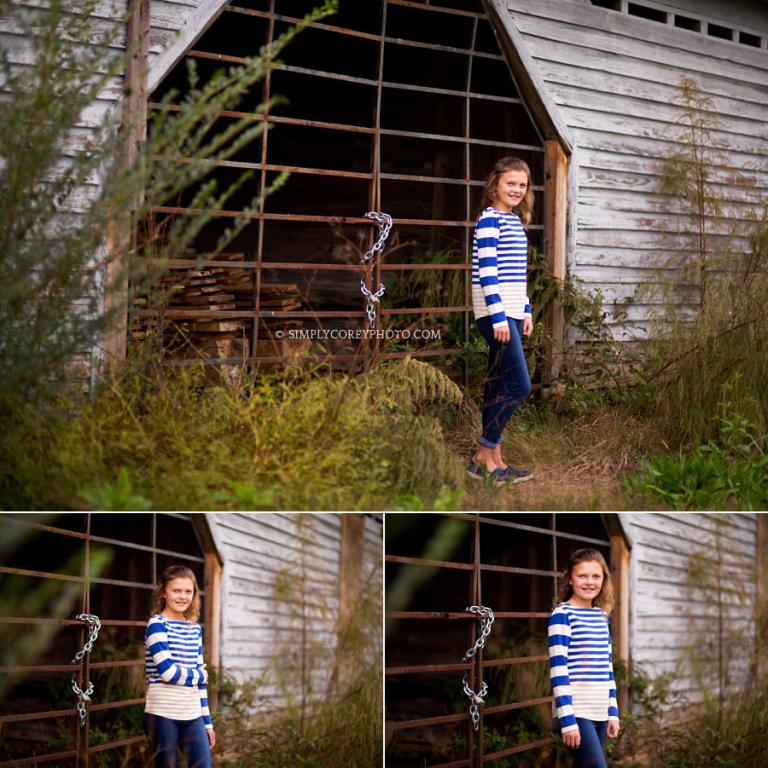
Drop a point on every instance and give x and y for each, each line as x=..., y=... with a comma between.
x=298, y=440
x=723, y=255
x=730, y=472
x=117, y=496
x=59, y=193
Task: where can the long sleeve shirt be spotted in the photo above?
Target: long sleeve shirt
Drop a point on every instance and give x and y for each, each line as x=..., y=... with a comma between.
x=581, y=666
x=174, y=667
x=499, y=267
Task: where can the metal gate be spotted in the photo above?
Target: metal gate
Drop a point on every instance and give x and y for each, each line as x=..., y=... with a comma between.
x=436, y=566
x=57, y=566
x=395, y=105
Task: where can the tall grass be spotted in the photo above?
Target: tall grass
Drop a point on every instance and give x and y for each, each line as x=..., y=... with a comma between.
x=293, y=439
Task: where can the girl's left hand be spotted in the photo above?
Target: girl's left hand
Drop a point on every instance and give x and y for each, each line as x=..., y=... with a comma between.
x=211, y=737
x=527, y=326
x=613, y=729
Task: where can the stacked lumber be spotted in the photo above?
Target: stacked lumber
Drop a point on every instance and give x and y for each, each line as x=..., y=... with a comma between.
x=209, y=291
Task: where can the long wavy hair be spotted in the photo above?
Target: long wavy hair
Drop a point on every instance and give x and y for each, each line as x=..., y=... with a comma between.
x=604, y=598
x=169, y=574
x=524, y=209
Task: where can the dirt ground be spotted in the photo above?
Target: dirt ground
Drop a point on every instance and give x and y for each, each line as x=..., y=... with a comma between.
x=577, y=462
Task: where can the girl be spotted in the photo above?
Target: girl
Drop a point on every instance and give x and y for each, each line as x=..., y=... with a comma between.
x=501, y=307
x=176, y=712
x=581, y=661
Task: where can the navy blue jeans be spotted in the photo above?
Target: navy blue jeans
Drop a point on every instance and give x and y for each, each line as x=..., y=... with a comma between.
x=167, y=736
x=591, y=751
x=507, y=382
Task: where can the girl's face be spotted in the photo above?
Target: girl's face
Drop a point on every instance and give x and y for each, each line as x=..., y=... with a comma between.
x=587, y=581
x=510, y=190
x=178, y=595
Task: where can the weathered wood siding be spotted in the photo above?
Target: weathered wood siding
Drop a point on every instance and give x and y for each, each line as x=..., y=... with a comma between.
x=613, y=78
x=280, y=599
x=675, y=559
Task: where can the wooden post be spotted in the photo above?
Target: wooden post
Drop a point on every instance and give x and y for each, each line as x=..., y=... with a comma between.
x=121, y=235
x=212, y=617
x=555, y=187
x=620, y=576
x=761, y=608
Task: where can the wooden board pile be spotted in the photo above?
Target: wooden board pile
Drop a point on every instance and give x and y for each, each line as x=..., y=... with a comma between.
x=215, y=289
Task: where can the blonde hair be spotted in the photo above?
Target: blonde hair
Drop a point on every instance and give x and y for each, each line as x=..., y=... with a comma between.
x=169, y=574
x=524, y=209
x=604, y=598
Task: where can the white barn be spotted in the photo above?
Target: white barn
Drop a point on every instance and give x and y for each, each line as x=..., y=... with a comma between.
x=404, y=105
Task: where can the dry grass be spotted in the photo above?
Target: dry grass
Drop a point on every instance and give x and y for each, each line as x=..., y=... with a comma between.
x=577, y=461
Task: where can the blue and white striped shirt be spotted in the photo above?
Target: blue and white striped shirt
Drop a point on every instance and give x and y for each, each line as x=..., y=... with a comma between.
x=499, y=267
x=581, y=666
x=173, y=663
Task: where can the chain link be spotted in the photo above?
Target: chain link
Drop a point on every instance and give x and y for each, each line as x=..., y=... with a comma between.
x=84, y=696
x=476, y=698
x=384, y=221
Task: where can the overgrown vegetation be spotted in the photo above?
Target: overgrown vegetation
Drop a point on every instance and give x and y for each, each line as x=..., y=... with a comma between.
x=63, y=190
x=294, y=439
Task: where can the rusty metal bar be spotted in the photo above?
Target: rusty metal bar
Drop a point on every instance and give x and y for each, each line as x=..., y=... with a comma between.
x=431, y=615
x=401, y=725
x=296, y=20
x=461, y=140
x=443, y=48
x=514, y=750
x=22, y=761
x=234, y=314
x=269, y=167
x=362, y=35
x=512, y=661
x=116, y=704
x=429, y=563
x=428, y=179
x=302, y=266
x=281, y=119
x=438, y=8
x=437, y=615
x=521, y=571
x=517, y=705
x=222, y=213
x=115, y=744
x=456, y=764
x=69, y=622
x=227, y=59
x=145, y=548
x=426, y=668
x=423, y=311
x=20, y=718
x=39, y=574
x=477, y=672
x=41, y=527
x=266, y=91
x=546, y=531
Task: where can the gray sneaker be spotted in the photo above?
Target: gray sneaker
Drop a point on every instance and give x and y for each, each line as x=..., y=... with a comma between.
x=514, y=475
x=479, y=472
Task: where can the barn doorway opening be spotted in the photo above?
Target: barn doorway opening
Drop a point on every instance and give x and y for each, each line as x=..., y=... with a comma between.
x=438, y=565
x=100, y=564
x=394, y=106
